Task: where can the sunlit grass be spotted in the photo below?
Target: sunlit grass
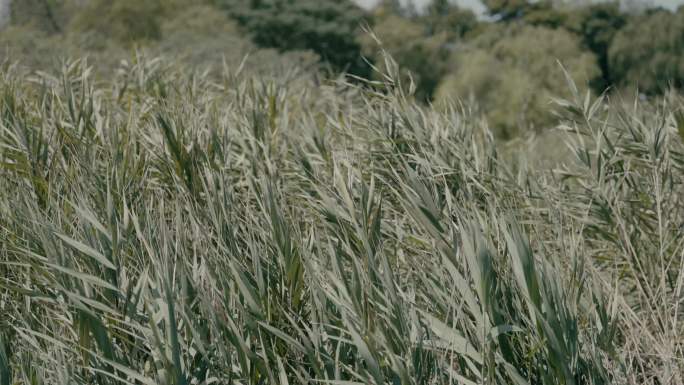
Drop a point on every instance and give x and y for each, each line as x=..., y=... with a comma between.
x=169, y=227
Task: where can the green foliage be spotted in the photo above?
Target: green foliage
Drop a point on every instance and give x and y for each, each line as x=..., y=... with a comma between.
x=598, y=24
x=124, y=21
x=197, y=35
x=327, y=27
x=43, y=15
x=442, y=16
x=512, y=79
x=420, y=45
x=649, y=52
x=32, y=46
x=203, y=37
x=303, y=31
x=547, y=15
x=509, y=9
x=421, y=57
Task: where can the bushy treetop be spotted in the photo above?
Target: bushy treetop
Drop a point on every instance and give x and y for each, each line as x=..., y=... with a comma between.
x=327, y=27
x=649, y=51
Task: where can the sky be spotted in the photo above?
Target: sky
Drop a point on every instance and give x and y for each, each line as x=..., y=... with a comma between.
x=476, y=5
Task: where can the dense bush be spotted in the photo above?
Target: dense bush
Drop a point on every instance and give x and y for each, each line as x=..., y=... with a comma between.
x=43, y=15
x=327, y=27
x=443, y=16
x=597, y=25
x=649, y=52
x=512, y=79
x=35, y=48
x=508, y=9
x=420, y=45
x=197, y=35
x=420, y=58
x=124, y=21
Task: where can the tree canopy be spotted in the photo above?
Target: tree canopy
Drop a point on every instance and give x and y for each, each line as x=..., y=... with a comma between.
x=513, y=78
x=649, y=52
x=330, y=28
x=126, y=21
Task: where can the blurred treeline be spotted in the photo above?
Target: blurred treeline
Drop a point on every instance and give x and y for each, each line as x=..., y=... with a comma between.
x=198, y=34
x=505, y=64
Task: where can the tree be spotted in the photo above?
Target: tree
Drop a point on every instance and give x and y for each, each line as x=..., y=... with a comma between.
x=126, y=21
x=4, y=13
x=599, y=27
x=327, y=27
x=649, y=52
x=419, y=43
x=546, y=14
x=443, y=16
x=419, y=56
x=513, y=78
x=507, y=9
x=40, y=14
x=597, y=24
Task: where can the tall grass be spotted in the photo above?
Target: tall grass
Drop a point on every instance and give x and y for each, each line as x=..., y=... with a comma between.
x=169, y=227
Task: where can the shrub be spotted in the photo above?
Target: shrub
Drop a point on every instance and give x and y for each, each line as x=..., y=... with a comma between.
x=649, y=52
x=124, y=21
x=513, y=78
x=327, y=27
x=419, y=56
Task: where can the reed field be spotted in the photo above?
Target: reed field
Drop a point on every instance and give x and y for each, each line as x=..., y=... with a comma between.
x=161, y=225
